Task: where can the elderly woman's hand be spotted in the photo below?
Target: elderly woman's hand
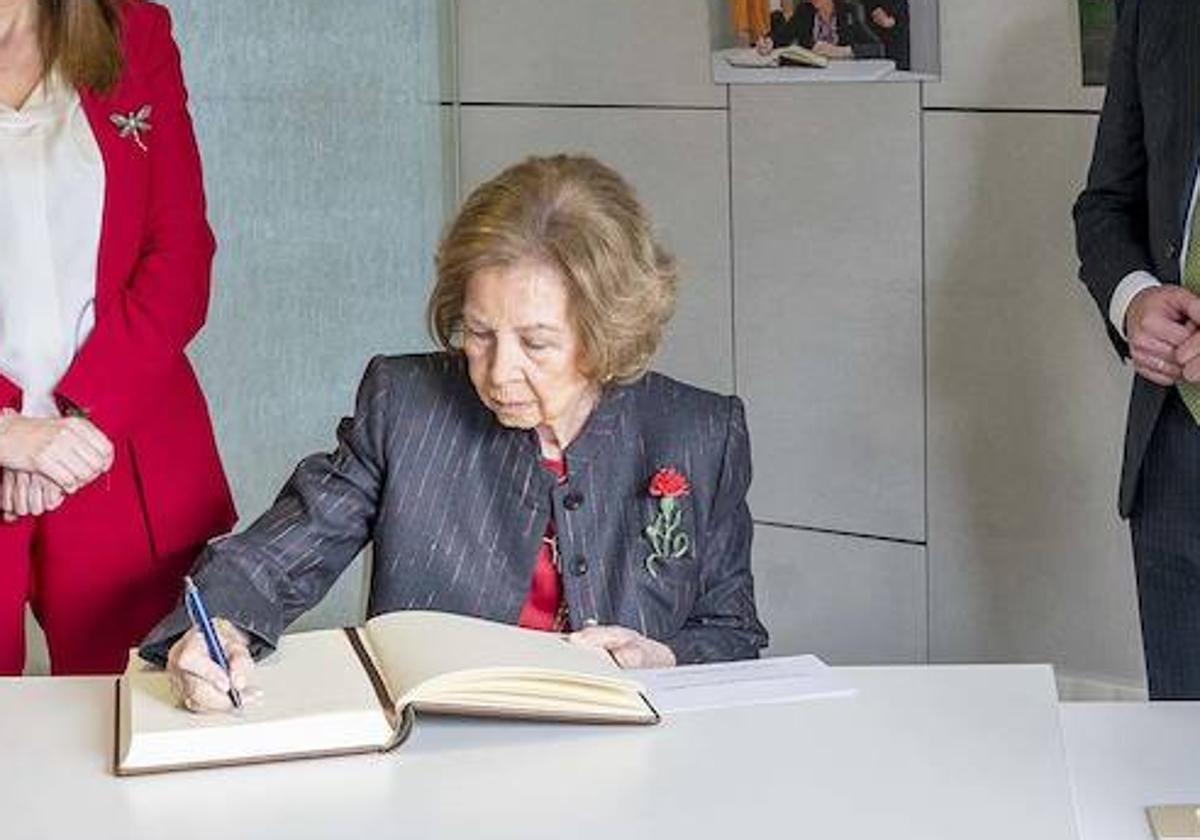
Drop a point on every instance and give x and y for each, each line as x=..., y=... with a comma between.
x=69, y=451
x=832, y=50
x=629, y=648
x=198, y=683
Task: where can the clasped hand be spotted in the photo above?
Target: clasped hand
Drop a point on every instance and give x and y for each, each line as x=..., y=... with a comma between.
x=45, y=459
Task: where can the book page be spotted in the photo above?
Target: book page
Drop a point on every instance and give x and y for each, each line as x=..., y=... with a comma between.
x=311, y=695
x=465, y=654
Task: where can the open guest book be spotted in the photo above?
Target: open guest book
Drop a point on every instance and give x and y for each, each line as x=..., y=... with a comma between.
x=794, y=56
x=334, y=692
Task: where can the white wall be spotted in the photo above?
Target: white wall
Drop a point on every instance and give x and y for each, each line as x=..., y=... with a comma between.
x=935, y=413
x=886, y=274
x=1018, y=54
x=676, y=160
x=827, y=245
x=827, y=285
x=797, y=235
x=1028, y=559
x=1026, y=405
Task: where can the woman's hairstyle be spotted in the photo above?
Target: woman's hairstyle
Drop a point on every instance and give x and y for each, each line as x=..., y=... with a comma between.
x=581, y=218
x=82, y=38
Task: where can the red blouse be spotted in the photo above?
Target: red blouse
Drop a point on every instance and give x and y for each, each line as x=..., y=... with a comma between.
x=544, y=608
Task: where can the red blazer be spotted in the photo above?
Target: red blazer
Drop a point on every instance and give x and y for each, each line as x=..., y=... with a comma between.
x=131, y=376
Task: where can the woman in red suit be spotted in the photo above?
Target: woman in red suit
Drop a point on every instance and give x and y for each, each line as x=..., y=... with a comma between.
x=111, y=478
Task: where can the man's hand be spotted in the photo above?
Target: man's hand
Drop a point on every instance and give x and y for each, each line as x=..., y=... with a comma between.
x=629, y=648
x=1159, y=328
x=1187, y=354
x=882, y=19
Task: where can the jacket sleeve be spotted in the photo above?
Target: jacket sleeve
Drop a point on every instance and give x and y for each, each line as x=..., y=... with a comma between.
x=267, y=576
x=860, y=38
x=784, y=31
x=724, y=623
x=141, y=332
x=1111, y=227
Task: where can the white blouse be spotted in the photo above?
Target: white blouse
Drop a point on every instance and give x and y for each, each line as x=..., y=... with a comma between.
x=51, y=205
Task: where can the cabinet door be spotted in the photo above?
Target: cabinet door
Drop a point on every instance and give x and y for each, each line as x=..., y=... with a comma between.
x=850, y=600
x=1028, y=559
x=593, y=52
x=827, y=290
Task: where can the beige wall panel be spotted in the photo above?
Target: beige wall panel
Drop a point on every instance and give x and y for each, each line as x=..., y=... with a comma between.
x=849, y=600
x=1014, y=54
x=677, y=162
x=827, y=263
x=616, y=52
x=1028, y=559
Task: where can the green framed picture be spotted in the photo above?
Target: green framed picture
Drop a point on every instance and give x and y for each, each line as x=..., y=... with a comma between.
x=1097, y=26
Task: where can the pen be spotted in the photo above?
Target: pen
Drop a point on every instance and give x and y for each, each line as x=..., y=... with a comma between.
x=199, y=616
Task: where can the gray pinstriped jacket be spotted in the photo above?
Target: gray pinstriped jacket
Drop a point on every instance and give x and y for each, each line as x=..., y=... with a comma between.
x=456, y=506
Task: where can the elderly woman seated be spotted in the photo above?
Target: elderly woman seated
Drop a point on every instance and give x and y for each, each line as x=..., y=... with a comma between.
x=533, y=472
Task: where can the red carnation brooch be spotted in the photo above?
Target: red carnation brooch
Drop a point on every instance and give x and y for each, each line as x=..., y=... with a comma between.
x=667, y=541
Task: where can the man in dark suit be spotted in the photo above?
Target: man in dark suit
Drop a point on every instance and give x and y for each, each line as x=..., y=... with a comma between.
x=889, y=21
x=1140, y=258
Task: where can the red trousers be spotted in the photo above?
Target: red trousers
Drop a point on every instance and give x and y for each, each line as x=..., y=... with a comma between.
x=92, y=575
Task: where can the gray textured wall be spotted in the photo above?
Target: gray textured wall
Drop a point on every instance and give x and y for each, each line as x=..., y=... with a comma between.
x=328, y=164
x=1018, y=405
x=1026, y=400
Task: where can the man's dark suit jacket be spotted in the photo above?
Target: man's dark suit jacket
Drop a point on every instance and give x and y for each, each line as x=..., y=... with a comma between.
x=1133, y=212
x=456, y=506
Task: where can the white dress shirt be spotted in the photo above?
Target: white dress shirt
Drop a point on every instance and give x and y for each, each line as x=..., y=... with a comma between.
x=51, y=205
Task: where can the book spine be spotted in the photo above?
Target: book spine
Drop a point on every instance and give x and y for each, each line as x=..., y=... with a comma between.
x=381, y=690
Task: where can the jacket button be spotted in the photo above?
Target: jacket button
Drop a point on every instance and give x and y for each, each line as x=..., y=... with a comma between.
x=579, y=566
x=573, y=500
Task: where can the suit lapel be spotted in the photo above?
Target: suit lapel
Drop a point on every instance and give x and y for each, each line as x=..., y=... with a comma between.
x=1185, y=23
x=126, y=184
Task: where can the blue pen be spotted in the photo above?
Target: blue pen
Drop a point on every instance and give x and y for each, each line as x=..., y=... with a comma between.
x=199, y=616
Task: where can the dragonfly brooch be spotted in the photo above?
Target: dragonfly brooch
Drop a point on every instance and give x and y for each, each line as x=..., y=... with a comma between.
x=133, y=124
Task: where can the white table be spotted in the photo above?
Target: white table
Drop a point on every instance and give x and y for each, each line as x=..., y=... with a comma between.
x=921, y=752
x=1125, y=756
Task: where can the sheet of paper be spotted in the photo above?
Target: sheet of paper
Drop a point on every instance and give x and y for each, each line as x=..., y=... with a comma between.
x=751, y=682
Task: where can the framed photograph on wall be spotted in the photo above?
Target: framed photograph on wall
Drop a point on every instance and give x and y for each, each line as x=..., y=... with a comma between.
x=772, y=41
x=1097, y=26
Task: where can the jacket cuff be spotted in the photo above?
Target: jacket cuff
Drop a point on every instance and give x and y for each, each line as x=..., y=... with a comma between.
x=237, y=602
x=693, y=645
